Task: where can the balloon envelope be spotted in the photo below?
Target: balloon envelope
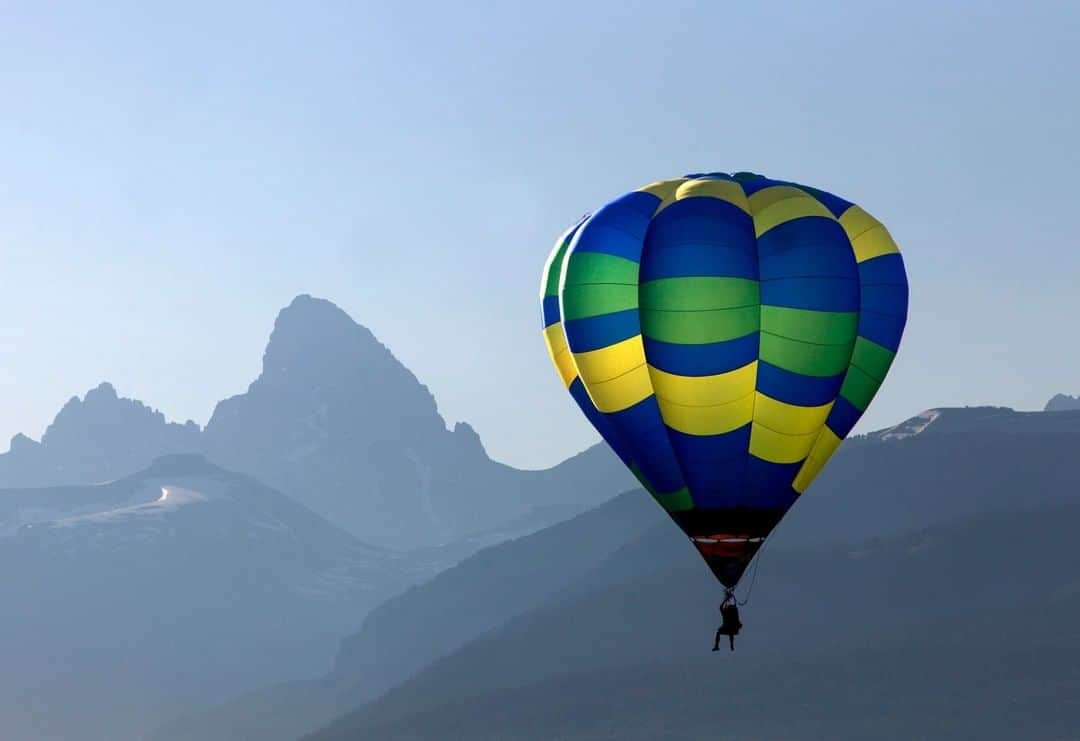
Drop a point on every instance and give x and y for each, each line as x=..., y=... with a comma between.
x=724, y=333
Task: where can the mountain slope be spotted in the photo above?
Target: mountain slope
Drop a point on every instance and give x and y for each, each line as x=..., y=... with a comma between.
x=947, y=679
x=883, y=486
x=964, y=462
x=411, y=630
x=136, y=600
x=893, y=626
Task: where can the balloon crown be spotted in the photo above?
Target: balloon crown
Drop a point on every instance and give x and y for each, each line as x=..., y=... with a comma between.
x=737, y=176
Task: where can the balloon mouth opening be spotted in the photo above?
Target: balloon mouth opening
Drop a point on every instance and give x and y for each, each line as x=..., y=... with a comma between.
x=727, y=545
x=727, y=554
x=724, y=538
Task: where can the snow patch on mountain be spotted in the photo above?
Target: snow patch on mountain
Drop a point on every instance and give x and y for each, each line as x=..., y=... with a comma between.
x=909, y=428
x=171, y=499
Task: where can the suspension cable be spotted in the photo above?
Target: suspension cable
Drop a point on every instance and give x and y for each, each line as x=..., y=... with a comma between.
x=753, y=576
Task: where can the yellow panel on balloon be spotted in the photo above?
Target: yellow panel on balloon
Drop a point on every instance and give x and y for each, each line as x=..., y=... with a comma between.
x=664, y=190
x=611, y=361
x=789, y=419
x=704, y=390
x=824, y=447
x=710, y=420
x=776, y=447
x=560, y=353
x=622, y=392
x=787, y=210
x=723, y=190
x=869, y=237
x=762, y=199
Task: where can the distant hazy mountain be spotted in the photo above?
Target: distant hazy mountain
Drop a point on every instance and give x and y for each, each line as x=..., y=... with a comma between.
x=129, y=602
x=966, y=630
x=337, y=422
x=1063, y=403
x=949, y=465
x=97, y=438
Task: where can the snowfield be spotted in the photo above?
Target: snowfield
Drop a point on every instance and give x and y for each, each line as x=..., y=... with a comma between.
x=172, y=498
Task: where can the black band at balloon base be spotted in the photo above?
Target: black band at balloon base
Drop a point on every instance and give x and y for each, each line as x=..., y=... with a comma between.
x=728, y=557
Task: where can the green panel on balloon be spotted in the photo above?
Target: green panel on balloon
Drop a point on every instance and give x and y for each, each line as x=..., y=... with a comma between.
x=580, y=302
x=596, y=267
x=700, y=293
x=700, y=327
x=805, y=358
x=872, y=358
x=818, y=327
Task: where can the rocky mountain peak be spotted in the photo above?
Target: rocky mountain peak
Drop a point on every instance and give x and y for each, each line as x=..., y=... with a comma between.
x=96, y=438
x=312, y=338
x=20, y=443
x=1062, y=403
x=103, y=411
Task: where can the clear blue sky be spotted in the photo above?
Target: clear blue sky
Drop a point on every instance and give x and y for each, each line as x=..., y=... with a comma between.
x=170, y=178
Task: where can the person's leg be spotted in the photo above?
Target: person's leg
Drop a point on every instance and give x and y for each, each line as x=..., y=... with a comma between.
x=716, y=643
x=731, y=638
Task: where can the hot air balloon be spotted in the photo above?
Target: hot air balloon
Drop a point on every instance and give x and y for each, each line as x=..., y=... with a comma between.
x=723, y=334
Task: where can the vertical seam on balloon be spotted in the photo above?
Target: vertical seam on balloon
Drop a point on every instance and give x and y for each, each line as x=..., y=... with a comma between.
x=744, y=484
x=559, y=292
x=663, y=420
x=615, y=431
x=825, y=425
x=858, y=286
x=577, y=230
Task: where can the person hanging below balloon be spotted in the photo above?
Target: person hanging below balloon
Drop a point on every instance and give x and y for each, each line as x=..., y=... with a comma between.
x=724, y=333
x=729, y=621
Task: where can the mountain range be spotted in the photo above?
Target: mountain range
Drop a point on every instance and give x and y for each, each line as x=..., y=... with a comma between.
x=486, y=648
x=338, y=423
x=328, y=548
x=167, y=567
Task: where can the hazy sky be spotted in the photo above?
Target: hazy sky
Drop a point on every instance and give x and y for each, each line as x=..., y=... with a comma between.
x=169, y=179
